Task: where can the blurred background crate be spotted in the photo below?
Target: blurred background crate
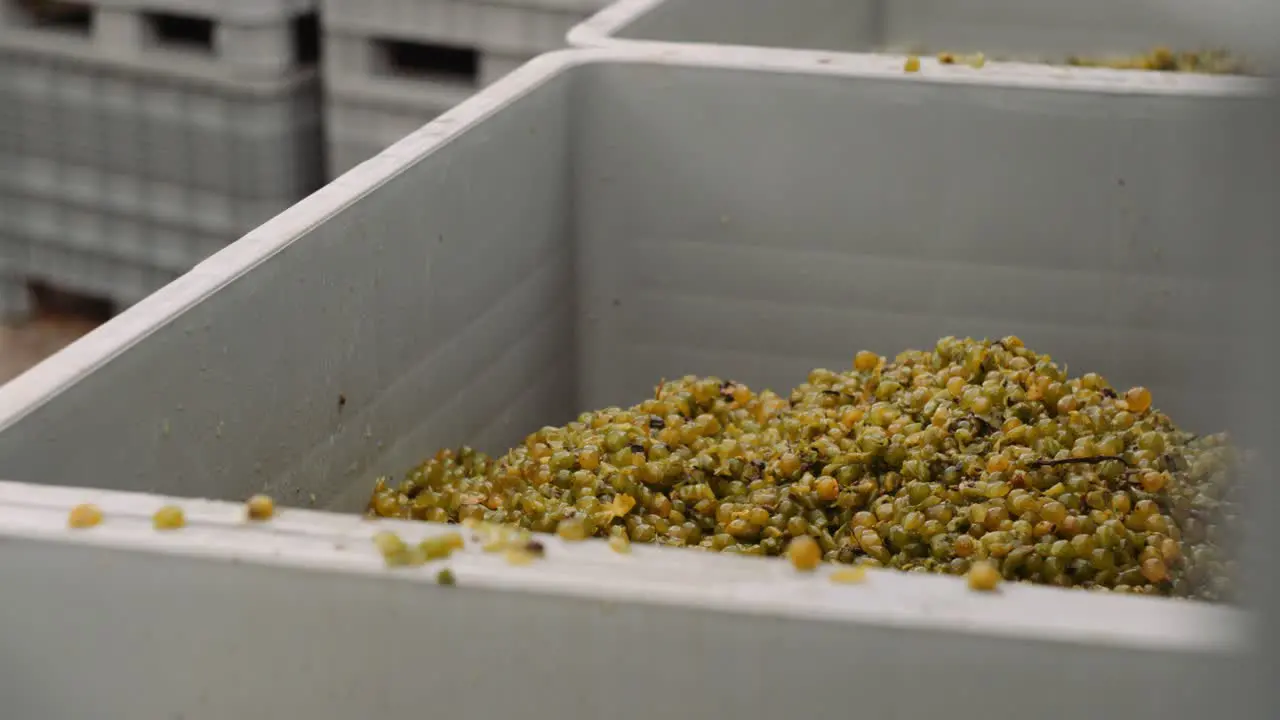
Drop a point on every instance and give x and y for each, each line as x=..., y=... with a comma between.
x=15, y=299
x=393, y=65
x=139, y=137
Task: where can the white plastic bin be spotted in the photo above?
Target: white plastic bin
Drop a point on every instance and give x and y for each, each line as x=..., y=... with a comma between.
x=591, y=223
x=1017, y=29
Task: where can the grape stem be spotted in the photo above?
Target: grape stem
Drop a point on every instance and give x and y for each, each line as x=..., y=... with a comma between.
x=1076, y=460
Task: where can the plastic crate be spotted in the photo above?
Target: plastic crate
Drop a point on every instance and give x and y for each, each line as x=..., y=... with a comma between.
x=142, y=163
x=509, y=28
x=82, y=123
x=371, y=101
x=94, y=274
x=589, y=224
x=393, y=65
x=70, y=266
x=15, y=301
x=174, y=244
x=572, y=6
x=1020, y=29
x=235, y=39
x=15, y=298
x=363, y=117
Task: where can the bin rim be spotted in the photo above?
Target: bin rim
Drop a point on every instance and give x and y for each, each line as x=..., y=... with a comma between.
x=318, y=541
x=599, y=31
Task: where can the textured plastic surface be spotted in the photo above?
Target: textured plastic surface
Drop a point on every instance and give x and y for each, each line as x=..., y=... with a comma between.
x=356, y=129
x=145, y=168
x=591, y=223
x=509, y=27
x=574, y=6
x=371, y=103
x=15, y=300
x=365, y=115
x=79, y=124
x=238, y=40
x=155, y=235
x=242, y=10
x=1020, y=28
x=77, y=262
x=93, y=273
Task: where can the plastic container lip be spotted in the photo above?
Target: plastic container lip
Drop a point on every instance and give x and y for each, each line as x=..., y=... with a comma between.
x=1005, y=74
x=601, y=31
x=338, y=543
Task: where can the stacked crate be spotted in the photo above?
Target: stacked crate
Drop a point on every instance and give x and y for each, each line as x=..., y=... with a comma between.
x=137, y=137
x=393, y=65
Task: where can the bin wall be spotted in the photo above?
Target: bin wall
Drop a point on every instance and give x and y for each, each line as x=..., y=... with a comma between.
x=774, y=232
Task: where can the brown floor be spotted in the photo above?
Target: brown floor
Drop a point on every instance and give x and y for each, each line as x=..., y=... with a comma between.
x=57, y=322
x=24, y=345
